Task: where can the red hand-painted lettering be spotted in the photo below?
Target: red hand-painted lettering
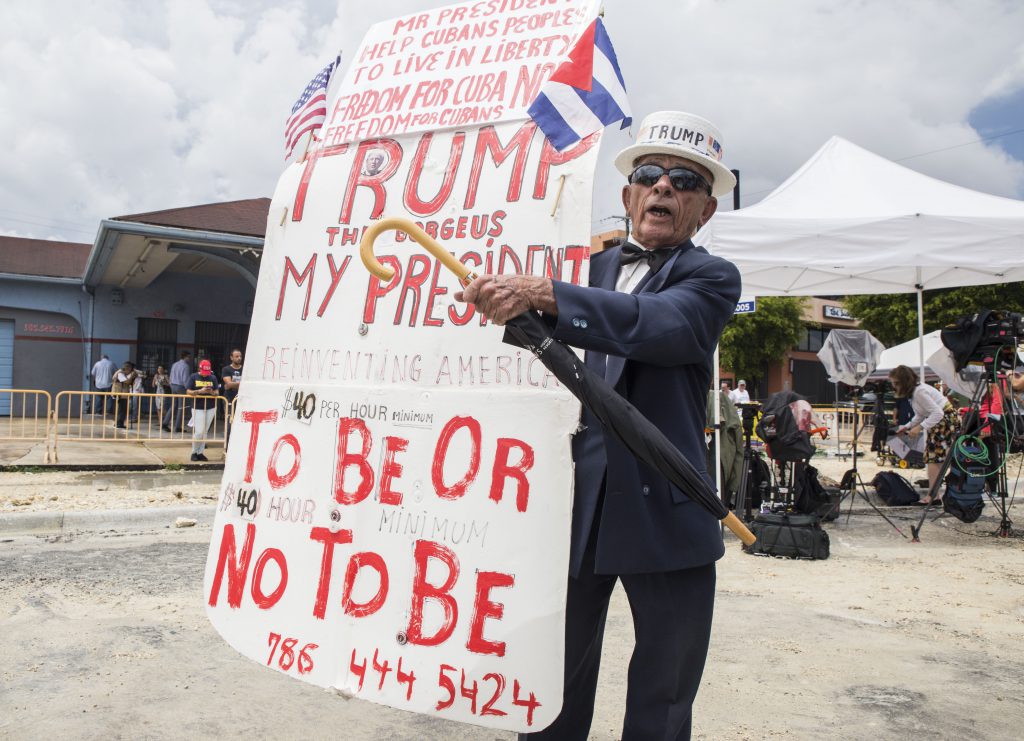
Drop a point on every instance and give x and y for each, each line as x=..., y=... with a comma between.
x=422, y=590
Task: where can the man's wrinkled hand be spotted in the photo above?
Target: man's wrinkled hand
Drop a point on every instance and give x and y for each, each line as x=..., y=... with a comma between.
x=503, y=297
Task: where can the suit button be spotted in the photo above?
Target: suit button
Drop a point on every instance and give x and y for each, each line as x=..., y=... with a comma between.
x=583, y=323
x=646, y=490
x=575, y=321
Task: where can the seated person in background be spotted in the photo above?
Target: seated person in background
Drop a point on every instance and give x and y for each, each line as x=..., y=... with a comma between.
x=932, y=414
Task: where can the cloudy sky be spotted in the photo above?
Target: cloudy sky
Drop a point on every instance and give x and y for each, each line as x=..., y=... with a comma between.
x=119, y=106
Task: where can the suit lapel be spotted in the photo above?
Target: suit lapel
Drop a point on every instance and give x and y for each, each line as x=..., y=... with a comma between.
x=608, y=272
x=603, y=275
x=616, y=364
x=653, y=284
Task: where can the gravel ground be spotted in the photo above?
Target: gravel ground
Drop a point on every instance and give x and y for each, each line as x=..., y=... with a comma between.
x=103, y=635
x=886, y=639
x=72, y=490
x=76, y=490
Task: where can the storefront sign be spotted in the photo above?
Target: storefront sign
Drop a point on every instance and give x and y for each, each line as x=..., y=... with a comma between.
x=836, y=312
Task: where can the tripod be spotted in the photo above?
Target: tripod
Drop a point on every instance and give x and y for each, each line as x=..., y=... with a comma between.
x=745, y=490
x=852, y=484
x=972, y=423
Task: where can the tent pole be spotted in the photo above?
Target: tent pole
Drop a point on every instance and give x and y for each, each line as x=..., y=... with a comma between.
x=718, y=429
x=836, y=415
x=920, y=322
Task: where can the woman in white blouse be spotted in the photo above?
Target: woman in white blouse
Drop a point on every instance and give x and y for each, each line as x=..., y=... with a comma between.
x=932, y=414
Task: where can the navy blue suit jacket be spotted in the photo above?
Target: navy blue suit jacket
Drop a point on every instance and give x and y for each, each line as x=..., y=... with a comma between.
x=655, y=347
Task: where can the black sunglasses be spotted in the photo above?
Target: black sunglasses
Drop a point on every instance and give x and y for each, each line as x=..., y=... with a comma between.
x=681, y=178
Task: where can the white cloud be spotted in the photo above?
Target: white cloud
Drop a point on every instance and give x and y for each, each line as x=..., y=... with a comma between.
x=113, y=106
x=781, y=78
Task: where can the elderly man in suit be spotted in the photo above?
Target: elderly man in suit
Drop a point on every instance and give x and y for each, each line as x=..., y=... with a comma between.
x=649, y=322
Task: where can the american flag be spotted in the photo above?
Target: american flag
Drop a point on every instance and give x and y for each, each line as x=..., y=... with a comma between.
x=310, y=110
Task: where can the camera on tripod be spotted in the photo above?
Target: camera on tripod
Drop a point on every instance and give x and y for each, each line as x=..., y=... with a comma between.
x=988, y=338
x=877, y=387
x=1001, y=328
x=748, y=413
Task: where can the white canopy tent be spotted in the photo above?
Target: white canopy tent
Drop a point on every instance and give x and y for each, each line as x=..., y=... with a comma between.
x=907, y=353
x=851, y=222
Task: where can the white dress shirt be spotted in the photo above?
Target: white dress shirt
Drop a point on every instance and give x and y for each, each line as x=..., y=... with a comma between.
x=631, y=275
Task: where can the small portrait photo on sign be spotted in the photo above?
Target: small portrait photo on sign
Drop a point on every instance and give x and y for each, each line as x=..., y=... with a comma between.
x=376, y=161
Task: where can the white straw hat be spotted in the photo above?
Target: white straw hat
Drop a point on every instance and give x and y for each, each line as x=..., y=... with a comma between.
x=681, y=135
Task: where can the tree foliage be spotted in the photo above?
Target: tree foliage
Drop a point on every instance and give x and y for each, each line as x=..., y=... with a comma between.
x=751, y=342
x=892, y=318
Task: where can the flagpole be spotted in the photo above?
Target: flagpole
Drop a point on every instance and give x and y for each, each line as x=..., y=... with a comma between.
x=305, y=152
x=558, y=195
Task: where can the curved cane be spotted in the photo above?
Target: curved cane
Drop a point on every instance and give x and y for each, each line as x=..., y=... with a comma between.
x=431, y=245
x=467, y=276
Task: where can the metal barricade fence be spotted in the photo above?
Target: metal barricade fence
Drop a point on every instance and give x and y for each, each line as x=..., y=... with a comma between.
x=27, y=416
x=97, y=417
x=839, y=421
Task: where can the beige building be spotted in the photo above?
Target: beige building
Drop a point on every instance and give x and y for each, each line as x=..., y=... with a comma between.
x=604, y=240
x=800, y=370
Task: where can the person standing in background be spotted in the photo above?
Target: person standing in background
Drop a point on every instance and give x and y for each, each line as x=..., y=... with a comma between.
x=739, y=395
x=202, y=387
x=138, y=388
x=231, y=377
x=103, y=378
x=933, y=415
x=161, y=384
x=180, y=373
x=124, y=382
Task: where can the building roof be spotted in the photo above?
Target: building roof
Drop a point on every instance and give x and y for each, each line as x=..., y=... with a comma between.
x=43, y=257
x=248, y=217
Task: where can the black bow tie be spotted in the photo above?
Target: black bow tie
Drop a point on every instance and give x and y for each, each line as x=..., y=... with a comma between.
x=630, y=253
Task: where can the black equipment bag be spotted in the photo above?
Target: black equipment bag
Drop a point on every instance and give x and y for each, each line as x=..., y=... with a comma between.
x=893, y=489
x=965, y=486
x=759, y=481
x=829, y=509
x=881, y=422
x=762, y=481
x=812, y=498
x=962, y=336
x=788, y=535
x=784, y=440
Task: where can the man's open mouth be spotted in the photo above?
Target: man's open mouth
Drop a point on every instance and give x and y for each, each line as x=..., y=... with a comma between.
x=659, y=211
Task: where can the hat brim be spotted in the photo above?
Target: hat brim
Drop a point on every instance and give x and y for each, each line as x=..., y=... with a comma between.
x=725, y=181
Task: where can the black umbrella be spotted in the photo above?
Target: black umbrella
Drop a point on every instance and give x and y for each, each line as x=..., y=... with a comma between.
x=636, y=432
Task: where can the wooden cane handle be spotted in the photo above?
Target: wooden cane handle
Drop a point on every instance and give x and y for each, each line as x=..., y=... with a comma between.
x=427, y=242
x=740, y=530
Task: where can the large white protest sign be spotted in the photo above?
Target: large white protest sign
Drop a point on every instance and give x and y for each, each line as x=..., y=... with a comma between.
x=463, y=65
x=394, y=520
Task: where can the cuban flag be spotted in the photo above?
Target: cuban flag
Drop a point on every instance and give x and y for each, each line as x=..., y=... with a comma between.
x=585, y=94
